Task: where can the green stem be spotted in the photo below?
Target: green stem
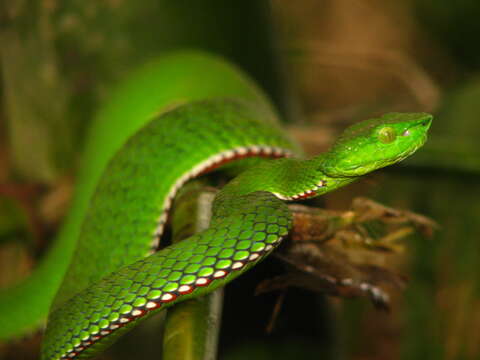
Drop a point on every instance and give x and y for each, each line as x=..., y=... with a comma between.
x=192, y=327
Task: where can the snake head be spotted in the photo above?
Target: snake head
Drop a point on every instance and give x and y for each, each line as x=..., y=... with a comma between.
x=375, y=143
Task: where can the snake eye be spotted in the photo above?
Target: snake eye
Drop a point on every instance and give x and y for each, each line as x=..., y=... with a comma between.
x=387, y=135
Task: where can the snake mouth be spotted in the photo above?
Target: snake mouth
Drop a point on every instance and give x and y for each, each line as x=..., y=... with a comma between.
x=312, y=192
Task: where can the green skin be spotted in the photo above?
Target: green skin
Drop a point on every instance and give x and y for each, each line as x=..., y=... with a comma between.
x=157, y=86
x=111, y=284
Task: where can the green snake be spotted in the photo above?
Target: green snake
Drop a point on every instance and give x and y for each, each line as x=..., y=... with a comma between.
x=183, y=116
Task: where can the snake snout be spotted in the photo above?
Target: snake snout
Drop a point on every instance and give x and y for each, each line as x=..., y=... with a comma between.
x=424, y=122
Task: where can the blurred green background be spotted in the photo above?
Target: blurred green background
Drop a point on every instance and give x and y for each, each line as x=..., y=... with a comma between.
x=325, y=63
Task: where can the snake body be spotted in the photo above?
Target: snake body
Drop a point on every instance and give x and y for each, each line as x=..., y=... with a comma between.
x=155, y=87
x=116, y=279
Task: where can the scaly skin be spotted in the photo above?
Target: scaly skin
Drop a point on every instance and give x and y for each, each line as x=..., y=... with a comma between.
x=110, y=284
x=128, y=206
x=249, y=217
x=155, y=87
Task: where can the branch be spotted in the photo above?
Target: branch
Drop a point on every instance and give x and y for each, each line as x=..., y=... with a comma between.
x=192, y=327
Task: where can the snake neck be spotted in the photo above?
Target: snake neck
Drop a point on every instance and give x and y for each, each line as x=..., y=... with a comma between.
x=288, y=179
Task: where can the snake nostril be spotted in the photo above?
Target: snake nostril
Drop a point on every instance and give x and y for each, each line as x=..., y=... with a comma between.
x=426, y=122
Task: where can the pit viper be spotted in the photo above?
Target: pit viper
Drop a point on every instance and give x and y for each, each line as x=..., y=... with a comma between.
x=182, y=116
